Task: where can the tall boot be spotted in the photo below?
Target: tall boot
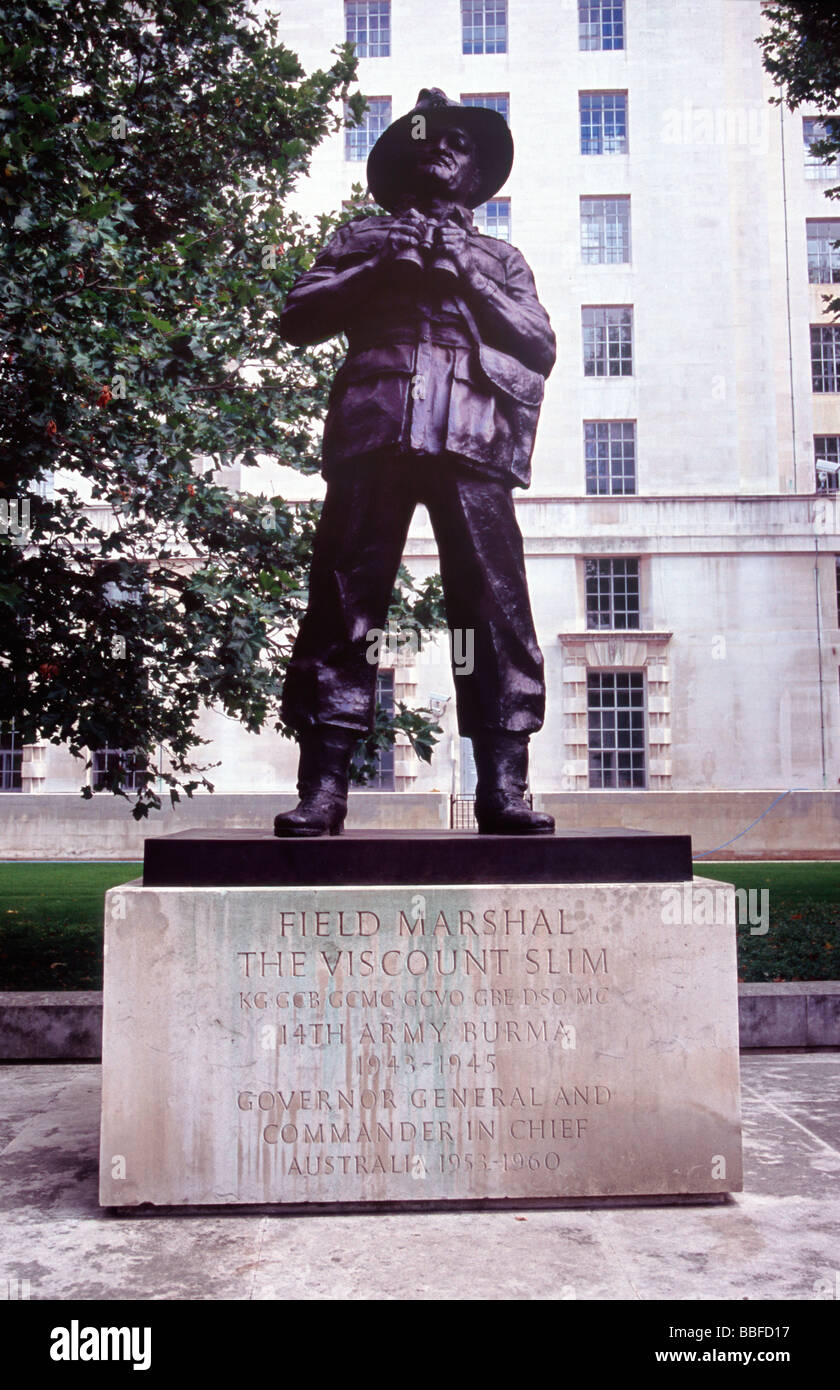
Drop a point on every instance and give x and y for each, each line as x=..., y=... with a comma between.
x=501, y=761
x=325, y=753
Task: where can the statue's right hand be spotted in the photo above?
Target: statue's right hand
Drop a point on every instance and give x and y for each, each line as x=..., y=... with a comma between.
x=408, y=232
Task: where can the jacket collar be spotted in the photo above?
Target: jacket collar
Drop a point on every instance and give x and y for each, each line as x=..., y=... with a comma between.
x=463, y=216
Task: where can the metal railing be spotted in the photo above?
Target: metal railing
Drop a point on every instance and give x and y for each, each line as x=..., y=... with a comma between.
x=462, y=811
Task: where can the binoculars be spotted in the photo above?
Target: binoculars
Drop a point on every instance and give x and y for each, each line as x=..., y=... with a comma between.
x=427, y=256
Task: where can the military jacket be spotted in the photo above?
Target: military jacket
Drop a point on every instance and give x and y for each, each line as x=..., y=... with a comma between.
x=433, y=366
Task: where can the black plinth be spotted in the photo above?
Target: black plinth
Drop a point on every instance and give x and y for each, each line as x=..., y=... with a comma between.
x=249, y=858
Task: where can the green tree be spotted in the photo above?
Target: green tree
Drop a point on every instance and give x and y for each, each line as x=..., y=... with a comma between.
x=147, y=154
x=801, y=51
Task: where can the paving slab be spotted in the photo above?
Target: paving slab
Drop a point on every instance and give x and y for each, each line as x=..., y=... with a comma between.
x=779, y=1239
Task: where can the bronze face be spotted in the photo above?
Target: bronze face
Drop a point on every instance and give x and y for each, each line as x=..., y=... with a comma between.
x=445, y=164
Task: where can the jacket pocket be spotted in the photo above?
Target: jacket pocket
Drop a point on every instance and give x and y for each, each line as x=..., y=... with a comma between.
x=367, y=410
x=511, y=376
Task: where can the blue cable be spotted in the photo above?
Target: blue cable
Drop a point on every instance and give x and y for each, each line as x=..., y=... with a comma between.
x=707, y=852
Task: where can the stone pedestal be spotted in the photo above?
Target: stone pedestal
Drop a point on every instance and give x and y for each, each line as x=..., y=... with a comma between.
x=429, y=1043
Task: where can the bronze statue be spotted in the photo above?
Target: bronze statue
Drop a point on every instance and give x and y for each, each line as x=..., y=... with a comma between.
x=437, y=402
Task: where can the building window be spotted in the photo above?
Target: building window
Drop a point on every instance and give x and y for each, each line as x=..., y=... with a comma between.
x=824, y=252
x=493, y=218
x=118, y=595
x=816, y=165
x=133, y=769
x=491, y=101
x=603, y=122
x=383, y=778
x=469, y=773
x=11, y=758
x=484, y=26
x=604, y=230
x=616, y=716
x=610, y=453
x=359, y=140
x=825, y=357
x=368, y=26
x=827, y=460
x=612, y=594
x=608, y=340
x=601, y=23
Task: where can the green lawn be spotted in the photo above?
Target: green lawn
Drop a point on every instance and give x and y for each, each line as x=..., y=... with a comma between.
x=51, y=921
x=803, y=942
x=817, y=880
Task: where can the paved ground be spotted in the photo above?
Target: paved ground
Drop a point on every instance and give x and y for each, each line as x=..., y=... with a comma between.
x=780, y=1239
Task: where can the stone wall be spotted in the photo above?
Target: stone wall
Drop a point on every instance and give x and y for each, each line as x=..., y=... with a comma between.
x=804, y=825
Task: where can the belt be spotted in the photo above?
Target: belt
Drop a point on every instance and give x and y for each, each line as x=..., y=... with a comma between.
x=442, y=334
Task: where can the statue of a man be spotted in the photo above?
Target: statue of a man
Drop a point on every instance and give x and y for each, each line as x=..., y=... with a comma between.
x=437, y=402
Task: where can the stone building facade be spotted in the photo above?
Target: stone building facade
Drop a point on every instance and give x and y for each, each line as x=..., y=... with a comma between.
x=682, y=530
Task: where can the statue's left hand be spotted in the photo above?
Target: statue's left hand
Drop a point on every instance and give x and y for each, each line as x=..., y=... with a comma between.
x=455, y=243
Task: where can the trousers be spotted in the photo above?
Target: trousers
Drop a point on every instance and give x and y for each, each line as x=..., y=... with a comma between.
x=357, y=550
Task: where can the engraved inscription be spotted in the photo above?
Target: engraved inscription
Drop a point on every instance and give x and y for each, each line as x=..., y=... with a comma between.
x=428, y=1038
